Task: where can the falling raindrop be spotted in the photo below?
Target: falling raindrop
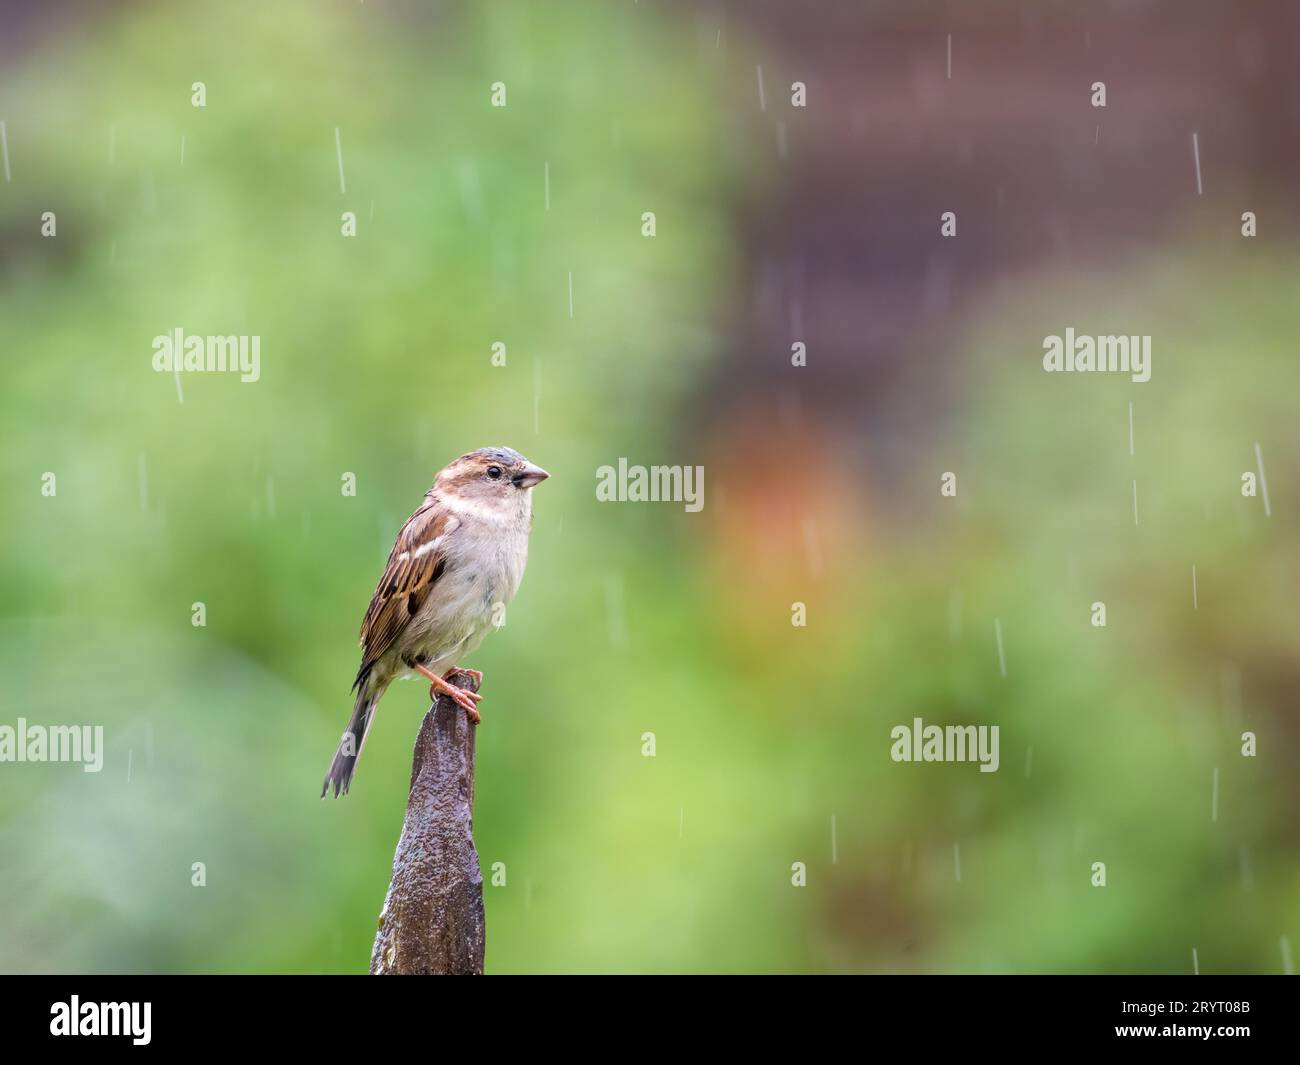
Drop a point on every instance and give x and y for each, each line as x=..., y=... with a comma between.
x=338, y=150
x=1263, y=483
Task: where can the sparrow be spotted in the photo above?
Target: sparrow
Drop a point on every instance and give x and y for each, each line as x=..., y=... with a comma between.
x=457, y=561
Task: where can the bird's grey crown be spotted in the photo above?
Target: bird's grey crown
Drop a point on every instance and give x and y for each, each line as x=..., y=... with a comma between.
x=507, y=456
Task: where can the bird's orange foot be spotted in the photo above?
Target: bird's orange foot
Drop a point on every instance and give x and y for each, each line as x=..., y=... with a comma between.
x=478, y=677
x=462, y=697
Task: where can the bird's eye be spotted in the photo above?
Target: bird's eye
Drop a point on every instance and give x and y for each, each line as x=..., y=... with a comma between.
x=494, y=472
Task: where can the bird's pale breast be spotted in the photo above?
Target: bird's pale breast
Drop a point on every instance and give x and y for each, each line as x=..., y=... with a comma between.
x=485, y=563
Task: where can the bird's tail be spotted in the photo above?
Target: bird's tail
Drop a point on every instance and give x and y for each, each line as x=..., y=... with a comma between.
x=354, y=739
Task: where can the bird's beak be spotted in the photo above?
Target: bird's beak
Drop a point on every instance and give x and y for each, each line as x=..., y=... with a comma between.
x=529, y=476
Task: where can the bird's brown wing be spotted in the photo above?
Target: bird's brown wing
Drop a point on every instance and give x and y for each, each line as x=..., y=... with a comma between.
x=414, y=566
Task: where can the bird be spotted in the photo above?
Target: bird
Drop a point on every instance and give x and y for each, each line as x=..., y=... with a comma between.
x=456, y=564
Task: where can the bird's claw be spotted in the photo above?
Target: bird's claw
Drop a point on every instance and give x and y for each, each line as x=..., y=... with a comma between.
x=462, y=697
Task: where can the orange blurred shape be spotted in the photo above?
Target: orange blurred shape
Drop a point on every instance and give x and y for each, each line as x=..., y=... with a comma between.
x=787, y=526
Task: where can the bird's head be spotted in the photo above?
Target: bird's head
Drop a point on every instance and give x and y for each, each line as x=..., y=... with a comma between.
x=498, y=478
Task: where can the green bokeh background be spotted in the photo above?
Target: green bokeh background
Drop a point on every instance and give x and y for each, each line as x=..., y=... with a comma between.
x=376, y=361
